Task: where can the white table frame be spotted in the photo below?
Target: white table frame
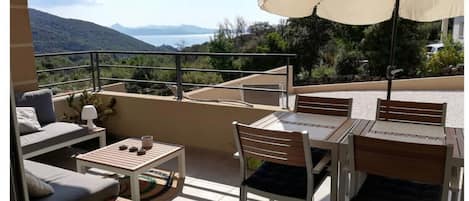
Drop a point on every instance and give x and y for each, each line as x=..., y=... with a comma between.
x=97, y=133
x=83, y=166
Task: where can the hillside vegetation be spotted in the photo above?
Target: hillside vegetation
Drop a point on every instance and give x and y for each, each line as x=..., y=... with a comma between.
x=327, y=52
x=55, y=34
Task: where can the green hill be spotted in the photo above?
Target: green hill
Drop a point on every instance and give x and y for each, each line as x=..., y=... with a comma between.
x=55, y=34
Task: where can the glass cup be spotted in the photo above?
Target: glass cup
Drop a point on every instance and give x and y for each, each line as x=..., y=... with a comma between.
x=147, y=142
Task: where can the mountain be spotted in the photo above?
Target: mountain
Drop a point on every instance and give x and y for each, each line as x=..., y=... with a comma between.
x=55, y=34
x=162, y=30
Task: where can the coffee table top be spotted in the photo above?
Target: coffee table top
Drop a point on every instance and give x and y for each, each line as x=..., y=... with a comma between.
x=111, y=155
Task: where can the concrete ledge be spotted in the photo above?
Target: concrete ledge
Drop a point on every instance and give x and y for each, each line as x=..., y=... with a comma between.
x=214, y=93
x=449, y=83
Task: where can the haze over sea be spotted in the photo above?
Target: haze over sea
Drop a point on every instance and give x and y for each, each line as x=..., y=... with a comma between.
x=175, y=40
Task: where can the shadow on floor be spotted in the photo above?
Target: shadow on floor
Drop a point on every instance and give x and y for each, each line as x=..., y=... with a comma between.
x=210, y=175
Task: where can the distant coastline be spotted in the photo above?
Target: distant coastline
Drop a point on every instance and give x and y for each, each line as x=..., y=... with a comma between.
x=175, y=40
x=176, y=36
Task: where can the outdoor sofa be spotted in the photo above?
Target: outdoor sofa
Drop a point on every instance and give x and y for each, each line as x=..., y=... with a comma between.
x=69, y=185
x=53, y=135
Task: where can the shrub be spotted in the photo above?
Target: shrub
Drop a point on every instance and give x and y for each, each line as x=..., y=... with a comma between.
x=348, y=62
x=76, y=105
x=450, y=55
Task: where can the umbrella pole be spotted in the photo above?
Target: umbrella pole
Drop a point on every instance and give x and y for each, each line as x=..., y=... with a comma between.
x=389, y=76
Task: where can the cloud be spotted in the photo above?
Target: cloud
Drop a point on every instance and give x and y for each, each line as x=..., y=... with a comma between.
x=57, y=3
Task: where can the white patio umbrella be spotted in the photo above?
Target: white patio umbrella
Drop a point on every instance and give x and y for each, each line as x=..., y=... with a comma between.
x=366, y=12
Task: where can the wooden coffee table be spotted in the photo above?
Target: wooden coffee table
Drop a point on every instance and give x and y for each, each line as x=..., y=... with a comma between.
x=128, y=163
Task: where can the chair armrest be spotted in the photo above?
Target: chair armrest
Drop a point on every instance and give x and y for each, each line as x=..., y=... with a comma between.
x=236, y=155
x=321, y=164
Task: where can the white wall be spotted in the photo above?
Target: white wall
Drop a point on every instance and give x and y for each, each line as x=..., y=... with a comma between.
x=458, y=29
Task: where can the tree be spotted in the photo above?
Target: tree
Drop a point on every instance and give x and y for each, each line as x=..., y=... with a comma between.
x=409, y=47
x=348, y=62
x=260, y=28
x=305, y=37
x=222, y=42
x=270, y=43
x=450, y=56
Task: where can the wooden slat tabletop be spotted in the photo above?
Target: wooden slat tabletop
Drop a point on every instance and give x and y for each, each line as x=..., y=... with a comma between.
x=414, y=133
x=320, y=127
x=111, y=155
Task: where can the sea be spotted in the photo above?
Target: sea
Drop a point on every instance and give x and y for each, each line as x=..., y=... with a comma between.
x=175, y=40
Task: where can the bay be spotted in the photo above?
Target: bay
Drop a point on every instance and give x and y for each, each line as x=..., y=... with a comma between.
x=175, y=40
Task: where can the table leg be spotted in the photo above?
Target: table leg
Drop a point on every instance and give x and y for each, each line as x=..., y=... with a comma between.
x=334, y=173
x=342, y=174
x=102, y=140
x=353, y=183
x=80, y=167
x=182, y=164
x=134, y=187
x=455, y=185
x=462, y=190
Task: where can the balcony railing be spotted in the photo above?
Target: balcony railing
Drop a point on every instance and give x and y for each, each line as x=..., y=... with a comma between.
x=94, y=66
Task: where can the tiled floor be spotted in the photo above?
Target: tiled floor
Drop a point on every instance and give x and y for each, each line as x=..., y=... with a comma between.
x=210, y=175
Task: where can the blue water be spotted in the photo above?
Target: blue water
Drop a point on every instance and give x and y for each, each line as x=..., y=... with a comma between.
x=175, y=40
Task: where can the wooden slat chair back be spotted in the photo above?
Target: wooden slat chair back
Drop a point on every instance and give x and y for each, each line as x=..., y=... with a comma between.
x=401, y=160
x=274, y=147
x=282, y=147
x=324, y=106
x=411, y=112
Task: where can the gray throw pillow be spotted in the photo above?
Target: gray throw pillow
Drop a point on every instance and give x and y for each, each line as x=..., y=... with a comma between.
x=27, y=120
x=41, y=100
x=36, y=187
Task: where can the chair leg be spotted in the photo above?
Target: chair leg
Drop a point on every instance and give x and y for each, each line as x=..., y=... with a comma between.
x=243, y=195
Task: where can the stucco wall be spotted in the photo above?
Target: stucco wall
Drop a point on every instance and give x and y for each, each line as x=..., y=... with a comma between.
x=206, y=125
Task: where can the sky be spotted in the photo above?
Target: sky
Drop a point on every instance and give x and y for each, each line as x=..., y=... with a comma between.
x=135, y=13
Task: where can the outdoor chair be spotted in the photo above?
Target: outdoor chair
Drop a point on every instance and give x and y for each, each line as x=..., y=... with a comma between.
x=287, y=169
x=411, y=112
x=399, y=170
x=324, y=106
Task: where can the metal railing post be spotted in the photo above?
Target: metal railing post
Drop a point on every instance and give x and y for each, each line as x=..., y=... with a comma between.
x=287, y=84
x=178, y=78
x=92, y=69
x=98, y=70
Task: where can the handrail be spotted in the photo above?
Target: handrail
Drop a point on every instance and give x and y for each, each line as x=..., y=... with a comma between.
x=63, y=68
x=63, y=83
x=134, y=80
x=95, y=69
x=231, y=71
x=133, y=66
x=197, y=53
x=231, y=87
x=167, y=53
x=62, y=53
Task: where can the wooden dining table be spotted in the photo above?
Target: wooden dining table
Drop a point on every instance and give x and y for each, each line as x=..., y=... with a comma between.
x=325, y=132
x=330, y=132
x=422, y=134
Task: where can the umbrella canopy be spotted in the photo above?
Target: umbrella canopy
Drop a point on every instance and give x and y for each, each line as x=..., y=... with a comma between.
x=366, y=12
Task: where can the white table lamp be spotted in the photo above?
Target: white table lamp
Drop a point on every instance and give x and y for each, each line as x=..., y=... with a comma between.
x=89, y=113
